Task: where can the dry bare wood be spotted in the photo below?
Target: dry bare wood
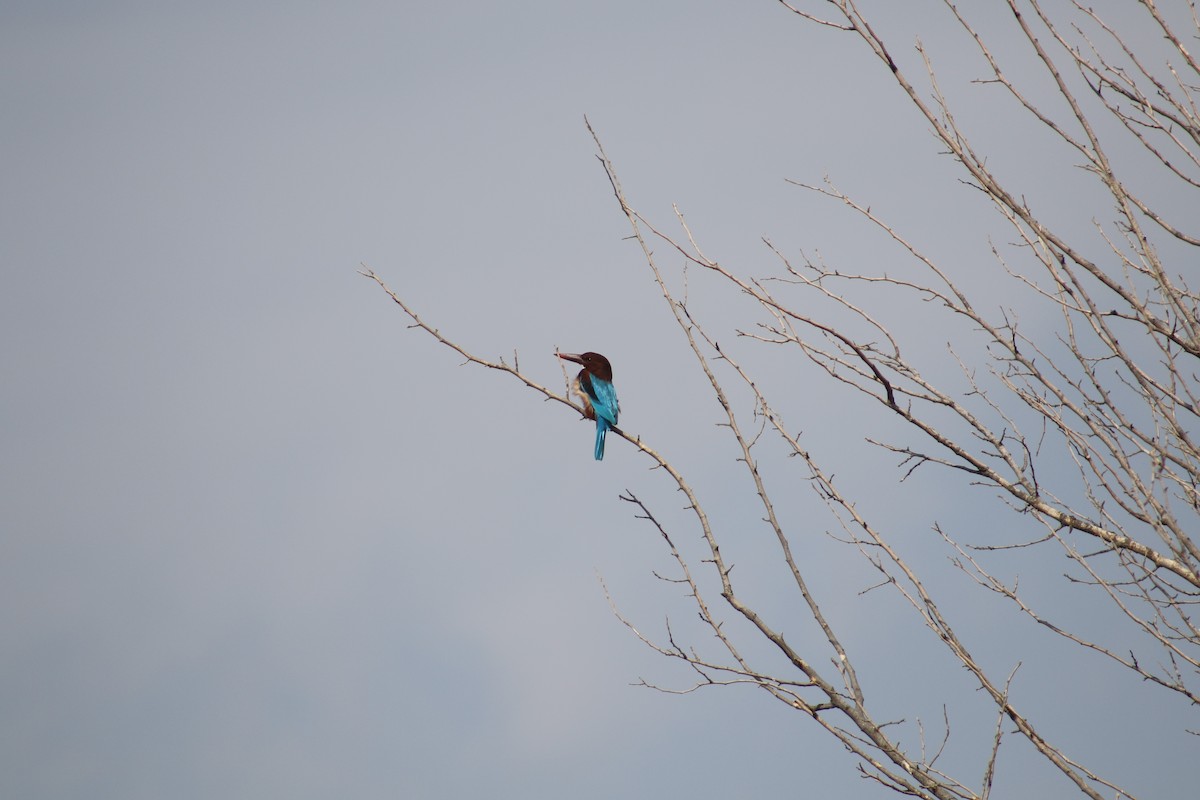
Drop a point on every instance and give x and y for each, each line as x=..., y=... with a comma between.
x=1107, y=384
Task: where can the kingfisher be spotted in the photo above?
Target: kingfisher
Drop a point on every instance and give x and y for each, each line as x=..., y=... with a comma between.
x=594, y=387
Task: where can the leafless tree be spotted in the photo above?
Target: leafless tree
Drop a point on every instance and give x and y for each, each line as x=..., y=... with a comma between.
x=1083, y=423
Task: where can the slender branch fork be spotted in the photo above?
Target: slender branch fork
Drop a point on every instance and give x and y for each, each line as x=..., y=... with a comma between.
x=916, y=776
x=1115, y=392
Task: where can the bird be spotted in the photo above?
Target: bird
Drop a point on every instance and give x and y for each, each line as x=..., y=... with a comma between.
x=594, y=387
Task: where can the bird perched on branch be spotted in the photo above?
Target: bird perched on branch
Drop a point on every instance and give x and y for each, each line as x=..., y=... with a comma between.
x=594, y=386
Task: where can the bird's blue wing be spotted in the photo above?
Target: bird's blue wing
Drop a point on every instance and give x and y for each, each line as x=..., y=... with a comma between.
x=604, y=400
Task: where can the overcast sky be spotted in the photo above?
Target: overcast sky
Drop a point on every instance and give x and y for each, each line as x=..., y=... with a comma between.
x=260, y=539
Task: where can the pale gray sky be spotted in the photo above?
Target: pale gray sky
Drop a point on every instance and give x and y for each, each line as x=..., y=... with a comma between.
x=261, y=540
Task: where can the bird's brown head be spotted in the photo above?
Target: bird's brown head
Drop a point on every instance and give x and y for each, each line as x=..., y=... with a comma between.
x=593, y=362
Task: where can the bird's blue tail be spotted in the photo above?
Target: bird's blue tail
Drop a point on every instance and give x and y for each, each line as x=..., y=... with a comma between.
x=601, y=429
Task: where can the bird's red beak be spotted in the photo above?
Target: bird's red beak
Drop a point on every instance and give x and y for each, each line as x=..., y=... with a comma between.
x=578, y=359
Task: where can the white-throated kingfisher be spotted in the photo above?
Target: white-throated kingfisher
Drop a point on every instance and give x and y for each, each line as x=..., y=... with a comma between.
x=594, y=387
